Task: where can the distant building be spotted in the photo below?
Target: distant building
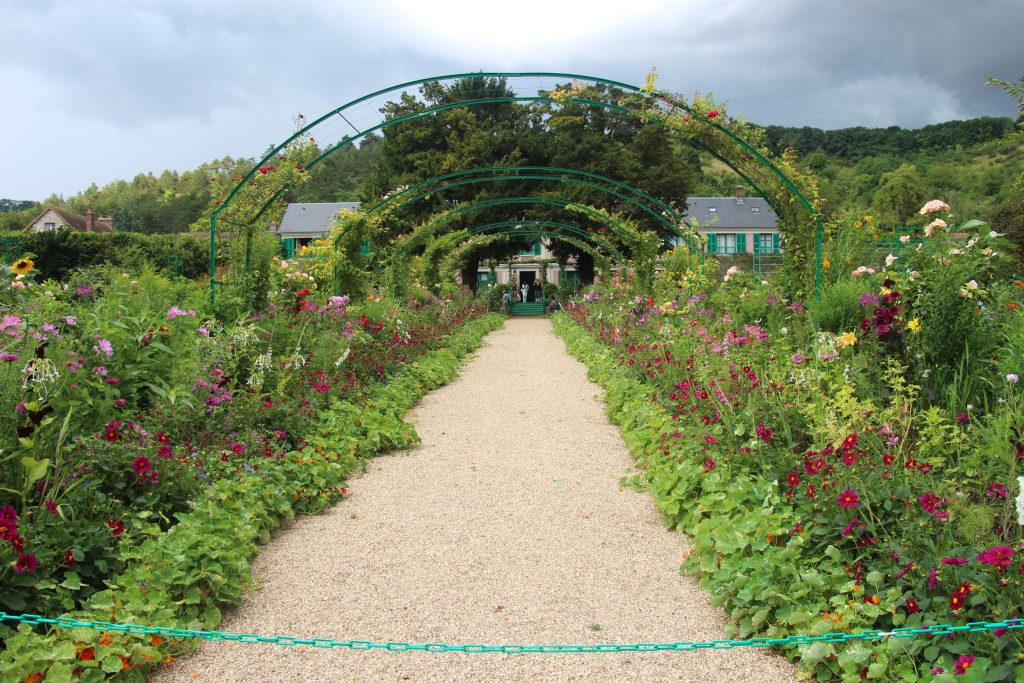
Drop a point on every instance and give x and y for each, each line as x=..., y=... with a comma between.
x=735, y=225
x=305, y=222
x=52, y=219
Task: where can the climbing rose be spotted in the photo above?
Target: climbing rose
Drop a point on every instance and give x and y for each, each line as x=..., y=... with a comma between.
x=934, y=206
x=849, y=499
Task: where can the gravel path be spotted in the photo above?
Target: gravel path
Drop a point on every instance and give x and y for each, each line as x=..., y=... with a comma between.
x=506, y=525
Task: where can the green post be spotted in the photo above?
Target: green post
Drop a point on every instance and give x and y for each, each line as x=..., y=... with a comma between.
x=213, y=259
x=817, y=257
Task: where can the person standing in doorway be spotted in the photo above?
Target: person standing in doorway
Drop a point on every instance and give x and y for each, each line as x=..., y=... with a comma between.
x=525, y=289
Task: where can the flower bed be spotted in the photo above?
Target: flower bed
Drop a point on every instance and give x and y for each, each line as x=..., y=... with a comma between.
x=829, y=484
x=138, y=430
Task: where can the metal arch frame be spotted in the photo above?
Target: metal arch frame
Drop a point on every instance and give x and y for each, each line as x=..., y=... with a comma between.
x=539, y=74
x=503, y=201
x=429, y=187
x=526, y=228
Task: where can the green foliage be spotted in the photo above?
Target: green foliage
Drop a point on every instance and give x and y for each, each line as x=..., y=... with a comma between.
x=839, y=309
x=61, y=252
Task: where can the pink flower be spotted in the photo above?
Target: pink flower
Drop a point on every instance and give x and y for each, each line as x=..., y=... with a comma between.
x=103, y=346
x=799, y=358
x=935, y=206
x=51, y=507
x=9, y=357
x=954, y=560
x=933, y=581
x=849, y=499
x=849, y=527
x=999, y=556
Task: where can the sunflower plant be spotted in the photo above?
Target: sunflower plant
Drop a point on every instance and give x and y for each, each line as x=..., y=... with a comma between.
x=16, y=277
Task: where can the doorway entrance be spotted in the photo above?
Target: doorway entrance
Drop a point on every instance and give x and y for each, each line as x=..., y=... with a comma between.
x=528, y=277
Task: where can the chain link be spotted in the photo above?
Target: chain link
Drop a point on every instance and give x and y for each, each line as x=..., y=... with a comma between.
x=399, y=646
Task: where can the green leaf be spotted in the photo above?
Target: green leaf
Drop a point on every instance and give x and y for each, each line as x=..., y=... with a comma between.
x=36, y=469
x=112, y=664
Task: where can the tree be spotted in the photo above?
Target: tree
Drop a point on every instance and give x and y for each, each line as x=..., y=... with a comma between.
x=900, y=194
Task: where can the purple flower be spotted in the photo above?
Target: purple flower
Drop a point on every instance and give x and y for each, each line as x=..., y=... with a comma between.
x=799, y=358
x=933, y=581
x=9, y=357
x=84, y=290
x=100, y=370
x=954, y=560
x=771, y=300
x=26, y=562
x=104, y=346
x=70, y=321
x=203, y=332
x=869, y=299
x=996, y=490
x=796, y=307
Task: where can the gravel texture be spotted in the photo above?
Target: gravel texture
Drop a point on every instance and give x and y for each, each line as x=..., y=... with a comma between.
x=506, y=525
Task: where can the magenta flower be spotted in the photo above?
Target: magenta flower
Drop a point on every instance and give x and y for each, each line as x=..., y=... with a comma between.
x=996, y=490
x=933, y=581
x=999, y=556
x=9, y=357
x=799, y=358
x=764, y=433
x=849, y=527
x=963, y=664
x=141, y=465
x=26, y=562
x=954, y=560
x=849, y=499
x=70, y=321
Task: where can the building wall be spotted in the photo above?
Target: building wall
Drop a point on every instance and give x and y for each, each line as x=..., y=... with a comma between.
x=50, y=216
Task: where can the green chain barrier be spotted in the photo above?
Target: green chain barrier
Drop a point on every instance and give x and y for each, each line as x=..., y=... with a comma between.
x=398, y=646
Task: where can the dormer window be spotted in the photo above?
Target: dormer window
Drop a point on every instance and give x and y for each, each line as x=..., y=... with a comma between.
x=712, y=209
x=754, y=209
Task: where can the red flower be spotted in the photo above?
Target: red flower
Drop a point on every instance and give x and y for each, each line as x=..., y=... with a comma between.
x=956, y=601
x=69, y=559
x=141, y=465
x=87, y=653
x=849, y=527
x=764, y=433
x=26, y=562
x=713, y=113
x=793, y=479
x=162, y=438
x=709, y=465
x=1000, y=556
x=849, y=499
x=116, y=526
x=912, y=606
x=50, y=507
x=111, y=433
x=963, y=664
x=302, y=293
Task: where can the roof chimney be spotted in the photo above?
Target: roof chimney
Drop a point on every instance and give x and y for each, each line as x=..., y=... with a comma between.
x=739, y=194
x=89, y=220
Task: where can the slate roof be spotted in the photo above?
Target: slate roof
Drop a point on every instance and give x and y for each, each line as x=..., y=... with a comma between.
x=731, y=212
x=312, y=218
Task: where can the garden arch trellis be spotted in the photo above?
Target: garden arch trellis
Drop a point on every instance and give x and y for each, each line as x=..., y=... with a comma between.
x=429, y=230
x=647, y=103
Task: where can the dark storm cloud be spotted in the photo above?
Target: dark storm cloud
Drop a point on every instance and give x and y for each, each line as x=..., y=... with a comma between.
x=147, y=85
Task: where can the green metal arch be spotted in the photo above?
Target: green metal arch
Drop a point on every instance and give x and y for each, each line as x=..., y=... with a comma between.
x=429, y=187
x=523, y=228
x=216, y=215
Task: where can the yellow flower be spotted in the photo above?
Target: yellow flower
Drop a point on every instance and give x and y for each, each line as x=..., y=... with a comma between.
x=826, y=264
x=23, y=266
x=914, y=325
x=846, y=339
x=868, y=219
x=858, y=224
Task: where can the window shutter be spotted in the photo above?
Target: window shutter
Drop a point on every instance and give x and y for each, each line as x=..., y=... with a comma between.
x=536, y=248
x=712, y=243
x=757, y=243
x=775, y=243
x=741, y=243
x=289, y=247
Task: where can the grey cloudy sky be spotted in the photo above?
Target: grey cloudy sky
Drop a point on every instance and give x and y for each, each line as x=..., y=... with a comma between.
x=96, y=90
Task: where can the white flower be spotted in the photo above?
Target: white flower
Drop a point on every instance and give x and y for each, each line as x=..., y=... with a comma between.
x=905, y=239
x=1020, y=501
x=972, y=285
x=1012, y=378
x=889, y=260
x=784, y=330
x=996, y=234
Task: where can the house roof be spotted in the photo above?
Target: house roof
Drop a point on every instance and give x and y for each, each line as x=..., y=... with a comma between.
x=312, y=218
x=731, y=212
x=76, y=221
